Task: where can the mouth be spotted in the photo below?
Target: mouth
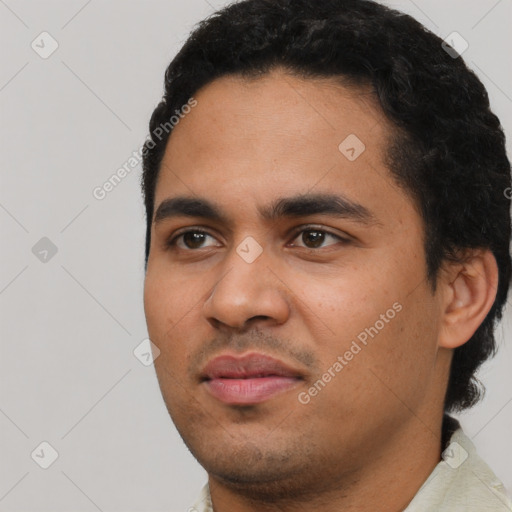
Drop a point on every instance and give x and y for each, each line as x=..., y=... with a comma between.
x=248, y=380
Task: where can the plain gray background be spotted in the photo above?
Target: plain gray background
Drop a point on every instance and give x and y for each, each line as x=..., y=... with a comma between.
x=70, y=321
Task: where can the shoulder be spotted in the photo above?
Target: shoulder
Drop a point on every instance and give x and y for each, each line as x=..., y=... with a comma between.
x=462, y=481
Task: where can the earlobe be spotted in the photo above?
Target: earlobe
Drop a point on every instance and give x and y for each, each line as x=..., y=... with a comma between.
x=471, y=291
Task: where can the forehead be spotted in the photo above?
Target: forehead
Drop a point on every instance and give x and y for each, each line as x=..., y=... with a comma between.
x=278, y=135
x=278, y=112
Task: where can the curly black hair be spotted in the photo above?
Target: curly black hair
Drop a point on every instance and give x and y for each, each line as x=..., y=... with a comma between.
x=448, y=149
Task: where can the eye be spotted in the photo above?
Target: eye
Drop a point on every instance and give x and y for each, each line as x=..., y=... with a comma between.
x=314, y=238
x=190, y=239
x=311, y=236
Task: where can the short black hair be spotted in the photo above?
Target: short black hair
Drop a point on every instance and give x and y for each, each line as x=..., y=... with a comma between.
x=448, y=150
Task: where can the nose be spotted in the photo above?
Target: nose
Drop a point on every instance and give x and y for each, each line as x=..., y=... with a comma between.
x=247, y=292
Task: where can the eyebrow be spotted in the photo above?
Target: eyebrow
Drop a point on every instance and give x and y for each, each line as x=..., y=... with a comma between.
x=284, y=207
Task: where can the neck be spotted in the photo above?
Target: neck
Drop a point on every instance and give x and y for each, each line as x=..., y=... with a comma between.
x=389, y=481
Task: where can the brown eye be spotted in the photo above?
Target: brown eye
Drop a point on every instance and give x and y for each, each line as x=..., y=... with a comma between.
x=314, y=238
x=190, y=240
x=193, y=240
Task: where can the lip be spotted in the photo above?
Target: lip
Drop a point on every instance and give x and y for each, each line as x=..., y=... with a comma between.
x=249, y=379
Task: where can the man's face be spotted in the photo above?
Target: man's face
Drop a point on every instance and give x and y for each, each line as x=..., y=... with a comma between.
x=346, y=288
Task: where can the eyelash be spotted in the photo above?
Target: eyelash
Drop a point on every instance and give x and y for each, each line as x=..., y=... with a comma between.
x=171, y=243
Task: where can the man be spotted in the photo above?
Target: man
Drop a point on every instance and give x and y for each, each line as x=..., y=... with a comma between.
x=327, y=256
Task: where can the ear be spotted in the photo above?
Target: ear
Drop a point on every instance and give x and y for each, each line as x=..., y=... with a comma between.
x=469, y=291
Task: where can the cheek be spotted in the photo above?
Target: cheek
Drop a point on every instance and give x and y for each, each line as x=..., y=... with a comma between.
x=171, y=309
x=161, y=317
x=157, y=308
x=167, y=301
x=396, y=363
x=387, y=332
x=344, y=303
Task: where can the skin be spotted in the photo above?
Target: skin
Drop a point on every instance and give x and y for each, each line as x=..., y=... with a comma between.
x=370, y=438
